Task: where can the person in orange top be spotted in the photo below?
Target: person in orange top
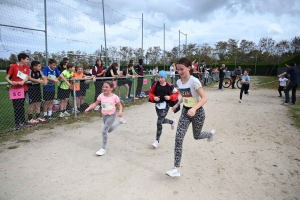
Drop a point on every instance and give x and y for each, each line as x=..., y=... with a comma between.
x=79, y=95
x=195, y=71
x=17, y=76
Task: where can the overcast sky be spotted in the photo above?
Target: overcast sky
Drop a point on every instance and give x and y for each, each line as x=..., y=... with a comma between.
x=78, y=25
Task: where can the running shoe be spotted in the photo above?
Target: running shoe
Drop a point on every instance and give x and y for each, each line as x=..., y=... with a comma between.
x=173, y=172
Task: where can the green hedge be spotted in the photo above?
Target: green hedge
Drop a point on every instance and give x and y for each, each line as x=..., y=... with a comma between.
x=295, y=59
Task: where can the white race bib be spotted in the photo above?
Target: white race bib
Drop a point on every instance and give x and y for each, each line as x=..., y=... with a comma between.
x=21, y=75
x=161, y=105
x=106, y=106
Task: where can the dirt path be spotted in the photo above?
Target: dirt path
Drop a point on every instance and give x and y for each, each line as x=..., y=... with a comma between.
x=255, y=155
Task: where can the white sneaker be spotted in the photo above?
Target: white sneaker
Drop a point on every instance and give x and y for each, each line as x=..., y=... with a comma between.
x=97, y=107
x=211, y=138
x=101, y=152
x=61, y=115
x=173, y=125
x=66, y=114
x=155, y=144
x=173, y=172
x=248, y=93
x=240, y=101
x=122, y=121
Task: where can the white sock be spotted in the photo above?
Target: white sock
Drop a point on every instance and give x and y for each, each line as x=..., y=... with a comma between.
x=50, y=112
x=45, y=113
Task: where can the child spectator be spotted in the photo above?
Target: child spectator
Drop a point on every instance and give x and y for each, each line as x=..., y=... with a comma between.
x=172, y=72
x=282, y=84
x=64, y=89
x=79, y=96
x=84, y=84
x=52, y=74
x=62, y=66
x=17, y=76
x=154, y=74
x=34, y=92
x=108, y=102
x=129, y=74
x=98, y=71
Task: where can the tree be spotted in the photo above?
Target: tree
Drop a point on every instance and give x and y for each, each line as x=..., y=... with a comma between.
x=221, y=49
x=295, y=45
x=13, y=58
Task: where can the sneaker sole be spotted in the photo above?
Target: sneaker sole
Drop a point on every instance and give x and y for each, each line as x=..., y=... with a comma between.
x=154, y=146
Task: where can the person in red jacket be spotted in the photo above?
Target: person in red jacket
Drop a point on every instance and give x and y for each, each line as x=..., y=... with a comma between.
x=17, y=76
x=161, y=93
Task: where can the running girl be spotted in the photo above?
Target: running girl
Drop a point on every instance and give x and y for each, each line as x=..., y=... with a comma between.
x=193, y=98
x=108, y=102
x=161, y=93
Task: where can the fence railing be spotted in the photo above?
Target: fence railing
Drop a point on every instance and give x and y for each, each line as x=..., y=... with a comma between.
x=15, y=114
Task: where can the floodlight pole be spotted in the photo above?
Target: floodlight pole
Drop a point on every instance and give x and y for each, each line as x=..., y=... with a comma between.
x=104, y=33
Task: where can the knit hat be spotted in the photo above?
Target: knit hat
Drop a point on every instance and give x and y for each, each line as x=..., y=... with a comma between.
x=162, y=73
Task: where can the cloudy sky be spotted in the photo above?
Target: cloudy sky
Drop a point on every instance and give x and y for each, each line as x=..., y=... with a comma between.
x=78, y=24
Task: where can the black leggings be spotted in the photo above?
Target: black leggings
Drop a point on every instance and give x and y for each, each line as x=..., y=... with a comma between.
x=161, y=119
x=280, y=88
x=245, y=88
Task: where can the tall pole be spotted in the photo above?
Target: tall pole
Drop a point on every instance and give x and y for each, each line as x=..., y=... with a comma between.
x=46, y=40
x=164, y=47
x=142, y=53
x=185, y=41
x=104, y=33
x=179, y=46
x=255, y=63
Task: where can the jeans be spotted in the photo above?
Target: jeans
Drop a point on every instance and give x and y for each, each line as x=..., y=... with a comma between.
x=139, y=86
x=293, y=86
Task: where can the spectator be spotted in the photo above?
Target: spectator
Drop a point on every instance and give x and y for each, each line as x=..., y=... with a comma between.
x=140, y=72
x=221, y=76
x=17, y=76
x=293, y=84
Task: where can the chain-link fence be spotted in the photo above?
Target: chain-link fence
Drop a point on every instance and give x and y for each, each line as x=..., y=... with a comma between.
x=21, y=109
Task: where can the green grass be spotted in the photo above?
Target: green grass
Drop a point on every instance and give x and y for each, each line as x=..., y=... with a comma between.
x=2, y=76
x=293, y=110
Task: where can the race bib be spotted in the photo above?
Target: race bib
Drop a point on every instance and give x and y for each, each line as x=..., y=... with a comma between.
x=107, y=106
x=161, y=105
x=21, y=75
x=51, y=76
x=189, y=101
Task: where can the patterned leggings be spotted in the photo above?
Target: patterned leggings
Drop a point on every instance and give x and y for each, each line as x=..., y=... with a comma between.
x=183, y=124
x=161, y=119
